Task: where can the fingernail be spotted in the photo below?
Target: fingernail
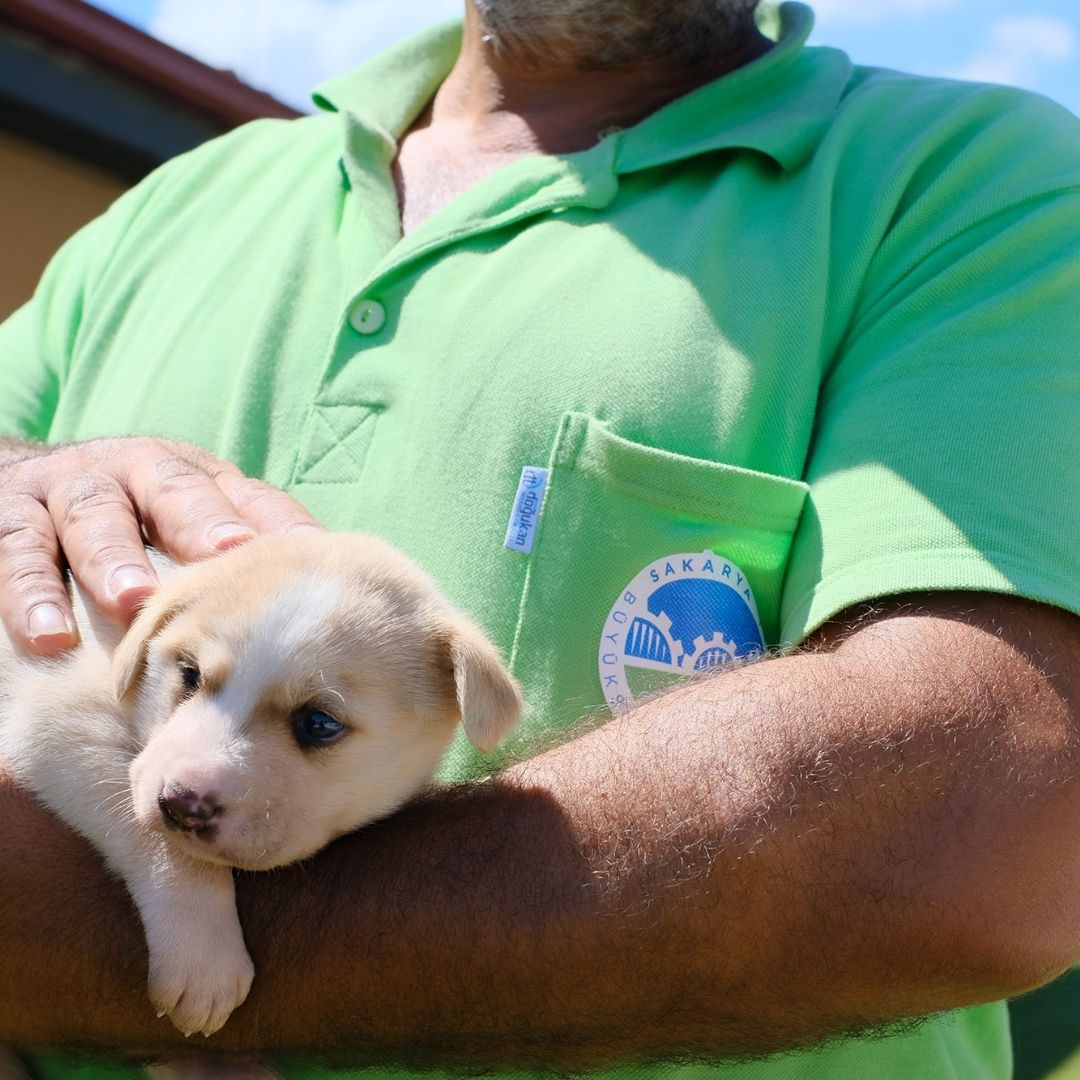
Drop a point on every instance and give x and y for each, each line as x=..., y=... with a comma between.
x=48, y=620
x=224, y=536
x=305, y=526
x=128, y=579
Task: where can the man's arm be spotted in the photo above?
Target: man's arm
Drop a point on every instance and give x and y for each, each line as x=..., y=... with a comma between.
x=881, y=828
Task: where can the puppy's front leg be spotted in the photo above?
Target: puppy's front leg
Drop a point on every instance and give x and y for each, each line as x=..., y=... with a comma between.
x=200, y=970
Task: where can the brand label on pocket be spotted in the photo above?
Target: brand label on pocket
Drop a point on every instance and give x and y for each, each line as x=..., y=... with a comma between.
x=526, y=512
x=682, y=613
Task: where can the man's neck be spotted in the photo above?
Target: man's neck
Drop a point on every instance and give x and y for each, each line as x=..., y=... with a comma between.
x=491, y=110
x=503, y=104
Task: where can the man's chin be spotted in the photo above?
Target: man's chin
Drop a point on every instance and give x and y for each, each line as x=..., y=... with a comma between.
x=598, y=35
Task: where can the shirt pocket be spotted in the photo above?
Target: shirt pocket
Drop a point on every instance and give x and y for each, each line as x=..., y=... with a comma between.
x=646, y=566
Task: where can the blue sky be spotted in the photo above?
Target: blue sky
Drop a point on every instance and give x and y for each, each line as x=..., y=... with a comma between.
x=286, y=46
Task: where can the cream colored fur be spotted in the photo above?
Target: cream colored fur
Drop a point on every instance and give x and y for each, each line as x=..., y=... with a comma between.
x=341, y=623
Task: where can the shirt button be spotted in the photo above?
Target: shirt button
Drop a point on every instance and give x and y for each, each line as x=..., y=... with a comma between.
x=367, y=317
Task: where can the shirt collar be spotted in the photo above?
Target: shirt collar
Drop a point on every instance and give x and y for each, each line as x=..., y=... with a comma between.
x=391, y=90
x=780, y=105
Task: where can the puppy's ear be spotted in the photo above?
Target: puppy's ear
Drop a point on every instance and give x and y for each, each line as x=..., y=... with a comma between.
x=488, y=696
x=129, y=659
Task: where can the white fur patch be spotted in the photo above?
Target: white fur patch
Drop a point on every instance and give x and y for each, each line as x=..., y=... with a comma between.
x=288, y=620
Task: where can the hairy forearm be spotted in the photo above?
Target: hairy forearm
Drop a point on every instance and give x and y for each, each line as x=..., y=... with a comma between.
x=800, y=848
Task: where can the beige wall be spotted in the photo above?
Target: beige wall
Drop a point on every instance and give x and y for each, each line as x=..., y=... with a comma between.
x=44, y=198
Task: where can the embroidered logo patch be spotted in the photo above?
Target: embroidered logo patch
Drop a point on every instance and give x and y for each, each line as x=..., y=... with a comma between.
x=681, y=614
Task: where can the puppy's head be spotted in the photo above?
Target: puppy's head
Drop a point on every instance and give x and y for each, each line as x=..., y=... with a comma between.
x=293, y=689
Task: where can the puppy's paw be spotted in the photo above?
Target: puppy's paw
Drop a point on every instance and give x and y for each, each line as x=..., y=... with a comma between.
x=199, y=987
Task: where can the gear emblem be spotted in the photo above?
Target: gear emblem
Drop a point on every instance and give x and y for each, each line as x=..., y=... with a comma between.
x=713, y=651
x=683, y=613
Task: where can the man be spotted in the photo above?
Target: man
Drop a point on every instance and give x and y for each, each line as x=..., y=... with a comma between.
x=788, y=350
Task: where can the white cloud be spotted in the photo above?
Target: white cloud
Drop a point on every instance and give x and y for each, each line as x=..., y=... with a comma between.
x=874, y=11
x=1017, y=49
x=287, y=46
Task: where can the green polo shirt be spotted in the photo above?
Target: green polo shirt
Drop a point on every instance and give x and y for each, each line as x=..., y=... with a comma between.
x=802, y=338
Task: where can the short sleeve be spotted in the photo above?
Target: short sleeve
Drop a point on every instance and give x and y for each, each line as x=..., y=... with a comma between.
x=28, y=381
x=38, y=341
x=946, y=453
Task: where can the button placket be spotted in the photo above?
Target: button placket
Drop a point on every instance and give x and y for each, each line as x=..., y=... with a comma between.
x=340, y=424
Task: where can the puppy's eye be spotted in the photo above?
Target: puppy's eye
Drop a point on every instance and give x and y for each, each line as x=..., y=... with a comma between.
x=191, y=677
x=313, y=727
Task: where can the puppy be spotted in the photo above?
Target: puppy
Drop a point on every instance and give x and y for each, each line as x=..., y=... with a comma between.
x=263, y=703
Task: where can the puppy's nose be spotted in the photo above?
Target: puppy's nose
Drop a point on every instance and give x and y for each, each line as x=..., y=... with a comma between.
x=182, y=808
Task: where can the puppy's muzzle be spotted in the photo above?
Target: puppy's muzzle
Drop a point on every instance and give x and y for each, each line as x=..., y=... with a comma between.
x=183, y=809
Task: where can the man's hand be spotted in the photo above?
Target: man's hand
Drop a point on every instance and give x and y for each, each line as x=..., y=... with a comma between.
x=96, y=505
